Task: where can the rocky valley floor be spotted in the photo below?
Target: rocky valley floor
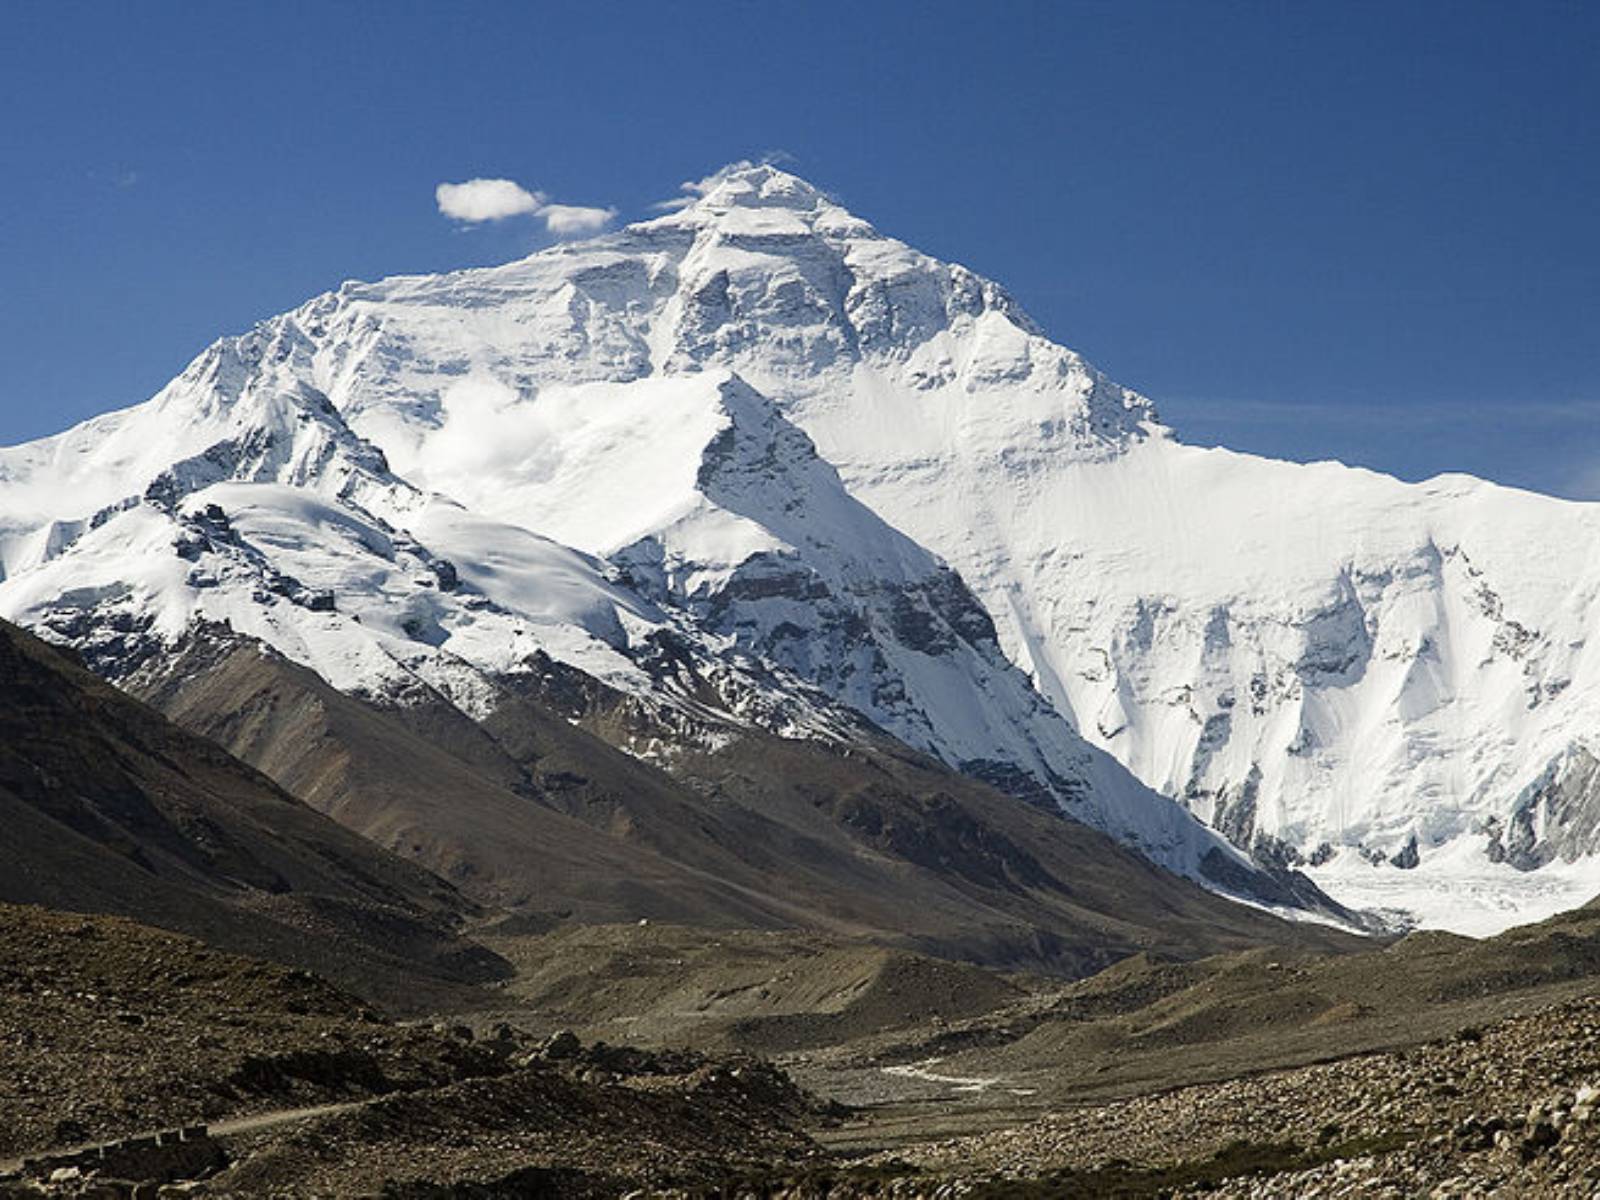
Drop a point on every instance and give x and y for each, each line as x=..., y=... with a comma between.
x=665, y=1060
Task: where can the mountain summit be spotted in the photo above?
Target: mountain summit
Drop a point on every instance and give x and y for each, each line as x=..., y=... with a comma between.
x=754, y=465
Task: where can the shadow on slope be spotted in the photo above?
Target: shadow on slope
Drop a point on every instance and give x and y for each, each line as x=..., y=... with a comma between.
x=109, y=807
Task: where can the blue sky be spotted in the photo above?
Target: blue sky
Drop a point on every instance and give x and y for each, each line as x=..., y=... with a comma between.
x=1347, y=230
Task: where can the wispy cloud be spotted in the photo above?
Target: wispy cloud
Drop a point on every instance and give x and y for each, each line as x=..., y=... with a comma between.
x=479, y=200
x=563, y=220
x=693, y=189
x=122, y=178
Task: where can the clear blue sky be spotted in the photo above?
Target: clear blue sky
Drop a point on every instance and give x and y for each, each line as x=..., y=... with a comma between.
x=1351, y=230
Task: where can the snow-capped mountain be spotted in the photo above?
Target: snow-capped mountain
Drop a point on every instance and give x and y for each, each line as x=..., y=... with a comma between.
x=849, y=477
x=705, y=560
x=239, y=498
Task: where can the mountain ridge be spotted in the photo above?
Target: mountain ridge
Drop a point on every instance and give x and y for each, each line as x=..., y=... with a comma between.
x=1201, y=617
x=529, y=811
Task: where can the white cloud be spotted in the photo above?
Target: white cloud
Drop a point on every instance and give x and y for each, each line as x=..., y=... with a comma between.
x=565, y=219
x=693, y=189
x=479, y=200
x=486, y=200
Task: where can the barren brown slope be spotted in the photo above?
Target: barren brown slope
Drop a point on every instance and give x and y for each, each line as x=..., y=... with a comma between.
x=429, y=784
x=109, y=807
x=1053, y=893
x=1145, y=1025
x=530, y=811
x=109, y=1027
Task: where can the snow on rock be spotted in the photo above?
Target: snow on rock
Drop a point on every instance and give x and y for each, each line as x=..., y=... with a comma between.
x=832, y=456
x=267, y=515
x=712, y=503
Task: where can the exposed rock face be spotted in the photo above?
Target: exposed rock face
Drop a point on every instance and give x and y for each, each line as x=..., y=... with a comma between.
x=1556, y=817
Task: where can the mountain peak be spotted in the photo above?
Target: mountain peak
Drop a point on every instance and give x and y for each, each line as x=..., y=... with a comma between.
x=756, y=185
x=744, y=199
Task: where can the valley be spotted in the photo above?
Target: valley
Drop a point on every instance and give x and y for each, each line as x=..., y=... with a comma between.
x=728, y=707
x=685, y=1062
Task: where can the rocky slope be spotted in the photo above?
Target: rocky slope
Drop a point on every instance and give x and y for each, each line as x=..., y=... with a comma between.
x=1482, y=1085
x=1508, y=1110
x=114, y=1028
x=110, y=1029
x=110, y=808
x=532, y=809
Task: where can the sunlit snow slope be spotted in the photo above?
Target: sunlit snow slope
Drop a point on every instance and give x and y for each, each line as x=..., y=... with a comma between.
x=761, y=422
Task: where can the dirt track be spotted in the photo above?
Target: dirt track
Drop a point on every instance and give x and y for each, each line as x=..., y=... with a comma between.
x=221, y=1129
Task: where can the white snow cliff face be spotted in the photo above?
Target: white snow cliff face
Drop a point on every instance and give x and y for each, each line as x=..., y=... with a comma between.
x=847, y=474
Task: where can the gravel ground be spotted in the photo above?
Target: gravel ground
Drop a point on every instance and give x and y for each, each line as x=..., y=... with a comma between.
x=1506, y=1110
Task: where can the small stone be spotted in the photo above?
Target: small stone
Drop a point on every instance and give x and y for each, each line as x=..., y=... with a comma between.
x=1540, y=1137
x=560, y=1045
